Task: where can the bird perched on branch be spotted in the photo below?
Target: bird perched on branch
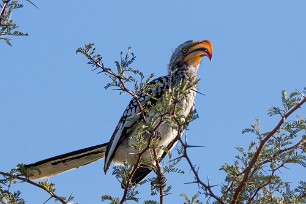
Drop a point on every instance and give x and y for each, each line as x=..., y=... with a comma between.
x=183, y=67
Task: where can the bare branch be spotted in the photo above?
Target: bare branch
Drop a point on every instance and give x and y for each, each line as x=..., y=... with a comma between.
x=198, y=180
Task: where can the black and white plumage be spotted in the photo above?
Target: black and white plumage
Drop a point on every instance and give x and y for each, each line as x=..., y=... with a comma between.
x=183, y=66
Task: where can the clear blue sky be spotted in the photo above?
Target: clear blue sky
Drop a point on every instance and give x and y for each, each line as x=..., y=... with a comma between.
x=51, y=102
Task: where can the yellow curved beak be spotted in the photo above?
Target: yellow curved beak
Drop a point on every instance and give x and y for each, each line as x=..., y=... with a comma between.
x=198, y=51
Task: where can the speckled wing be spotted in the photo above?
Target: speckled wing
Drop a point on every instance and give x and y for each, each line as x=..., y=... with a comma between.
x=131, y=116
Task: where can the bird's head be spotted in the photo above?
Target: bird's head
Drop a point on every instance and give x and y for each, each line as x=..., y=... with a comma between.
x=190, y=54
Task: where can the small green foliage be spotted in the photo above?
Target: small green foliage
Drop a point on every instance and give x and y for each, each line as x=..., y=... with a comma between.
x=90, y=53
x=291, y=101
x=131, y=195
x=7, y=26
x=69, y=199
x=156, y=184
x=49, y=186
x=123, y=78
x=255, y=128
x=122, y=172
x=10, y=197
x=150, y=202
x=171, y=165
x=6, y=196
x=287, y=103
x=194, y=199
x=112, y=200
x=19, y=174
x=172, y=169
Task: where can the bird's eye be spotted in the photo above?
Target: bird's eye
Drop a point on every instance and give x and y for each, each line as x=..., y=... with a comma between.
x=184, y=50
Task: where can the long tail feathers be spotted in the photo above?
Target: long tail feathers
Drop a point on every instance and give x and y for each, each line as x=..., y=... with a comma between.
x=65, y=162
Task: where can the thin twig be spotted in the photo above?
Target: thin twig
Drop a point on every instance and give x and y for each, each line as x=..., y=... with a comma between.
x=160, y=177
x=282, y=151
x=34, y=184
x=196, y=175
x=3, y=10
x=124, y=88
x=32, y=3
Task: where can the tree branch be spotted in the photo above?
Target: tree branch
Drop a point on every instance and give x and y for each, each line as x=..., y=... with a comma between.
x=160, y=177
x=53, y=195
x=97, y=64
x=3, y=10
x=258, y=151
x=196, y=175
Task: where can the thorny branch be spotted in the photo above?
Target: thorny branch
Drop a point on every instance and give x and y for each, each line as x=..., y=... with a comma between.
x=206, y=187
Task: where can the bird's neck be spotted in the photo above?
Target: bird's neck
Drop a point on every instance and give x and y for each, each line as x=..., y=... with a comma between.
x=183, y=73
